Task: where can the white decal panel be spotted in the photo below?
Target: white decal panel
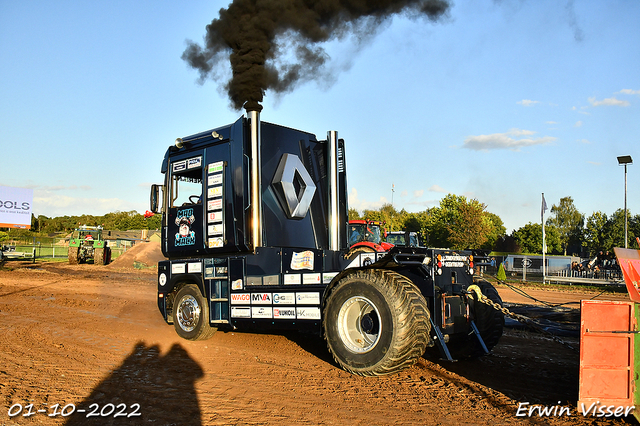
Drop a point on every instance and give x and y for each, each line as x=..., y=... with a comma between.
x=261, y=312
x=308, y=313
x=284, y=313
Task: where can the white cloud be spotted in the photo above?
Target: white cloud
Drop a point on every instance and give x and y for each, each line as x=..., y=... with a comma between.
x=630, y=92
x=585, y=141
x=436, y=188
x=418, y=194
x=404, y=193
x=527, y=102
x=578, y=124
x=552, y=122
x=513, y=139
x=356, y=203
x=608, y=102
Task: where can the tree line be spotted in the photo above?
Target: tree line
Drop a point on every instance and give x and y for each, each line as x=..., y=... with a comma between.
x=457, y=223
x=460, y=223
x=116, y=221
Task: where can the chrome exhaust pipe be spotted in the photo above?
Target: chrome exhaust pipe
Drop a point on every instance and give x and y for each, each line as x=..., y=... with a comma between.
x=253, y=112
x=332, y=173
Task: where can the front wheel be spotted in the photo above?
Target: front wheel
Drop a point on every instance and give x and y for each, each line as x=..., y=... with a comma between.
x=376, y=322
x=191, y=314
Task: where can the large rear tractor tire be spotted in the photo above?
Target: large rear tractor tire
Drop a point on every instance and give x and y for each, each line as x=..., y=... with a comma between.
x=191, y=314
x=102, y=256
x=376, y=322
x=488, y=320
x=73, y=255
x=98, y=256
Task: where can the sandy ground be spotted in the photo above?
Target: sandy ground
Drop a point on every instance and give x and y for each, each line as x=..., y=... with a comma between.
x=91, y=337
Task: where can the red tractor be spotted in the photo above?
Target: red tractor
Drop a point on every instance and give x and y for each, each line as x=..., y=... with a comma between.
x=365, y=236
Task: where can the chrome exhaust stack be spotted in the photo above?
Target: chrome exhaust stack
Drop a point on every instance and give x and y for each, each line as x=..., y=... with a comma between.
x=332, y=174
x=253, y=113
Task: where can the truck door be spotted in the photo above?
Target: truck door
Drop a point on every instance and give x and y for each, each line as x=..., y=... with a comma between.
x=207, y=197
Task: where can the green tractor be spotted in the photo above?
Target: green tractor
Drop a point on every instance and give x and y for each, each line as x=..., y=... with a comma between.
x=86, y=243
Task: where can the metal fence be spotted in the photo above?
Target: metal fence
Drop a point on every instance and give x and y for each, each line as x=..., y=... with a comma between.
x=52, y=250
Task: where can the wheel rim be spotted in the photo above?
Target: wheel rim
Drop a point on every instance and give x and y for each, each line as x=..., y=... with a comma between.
x=359, y=324
x=188, y=313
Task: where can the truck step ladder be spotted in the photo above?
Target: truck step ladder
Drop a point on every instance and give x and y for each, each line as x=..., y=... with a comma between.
x=219, y=303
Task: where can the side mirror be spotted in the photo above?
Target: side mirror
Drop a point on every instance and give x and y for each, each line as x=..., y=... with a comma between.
x=154, y=198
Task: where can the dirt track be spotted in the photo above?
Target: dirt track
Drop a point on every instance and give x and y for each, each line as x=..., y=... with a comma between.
x=90, y=334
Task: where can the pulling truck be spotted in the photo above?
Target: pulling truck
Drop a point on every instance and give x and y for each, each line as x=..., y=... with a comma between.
x=255, y=232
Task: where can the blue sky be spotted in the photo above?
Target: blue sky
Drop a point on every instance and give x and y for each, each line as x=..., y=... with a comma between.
x=501, y=101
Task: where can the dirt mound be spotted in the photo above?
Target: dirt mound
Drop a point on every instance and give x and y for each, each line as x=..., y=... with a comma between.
x=140, y=256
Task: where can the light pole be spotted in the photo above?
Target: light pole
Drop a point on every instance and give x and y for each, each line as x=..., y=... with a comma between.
x=624, y=160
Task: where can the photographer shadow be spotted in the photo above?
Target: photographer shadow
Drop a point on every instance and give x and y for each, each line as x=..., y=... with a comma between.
x=146, y=388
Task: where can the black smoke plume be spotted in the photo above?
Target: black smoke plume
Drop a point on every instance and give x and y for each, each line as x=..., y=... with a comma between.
x=275, y=44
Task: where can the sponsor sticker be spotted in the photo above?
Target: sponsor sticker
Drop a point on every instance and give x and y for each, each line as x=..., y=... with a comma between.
x=302, y=260
x=261, y=298
x=236, y=284
x=216, y=167
x=308, y=313
x=216, y=242
x=454, y=261
x=284, y=313
x=178, y=268
x=240, y=298
x=311, y=278
x=214, y=179
x=237, y=312
x=214, y=217
x=292, y=278
x=327, y=277
x=308, y=298
x=214, y=192
x=185, y=235
x=284, y=298
x=194, y=267
x=194, y=163
x=179, y=166
x=215, y=230
x=261, y=312
x=214, y=204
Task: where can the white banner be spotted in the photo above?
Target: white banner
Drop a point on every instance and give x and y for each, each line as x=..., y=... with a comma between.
x=15, y=207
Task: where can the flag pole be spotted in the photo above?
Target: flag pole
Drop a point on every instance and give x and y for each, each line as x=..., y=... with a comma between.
x=544, y=242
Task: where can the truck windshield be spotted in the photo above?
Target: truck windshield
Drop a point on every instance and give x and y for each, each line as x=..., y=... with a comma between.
x=186, y=188
x=398, y=239
x=359, y=232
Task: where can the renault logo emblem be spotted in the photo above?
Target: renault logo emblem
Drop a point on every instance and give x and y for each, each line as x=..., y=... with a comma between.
x=293, y=186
